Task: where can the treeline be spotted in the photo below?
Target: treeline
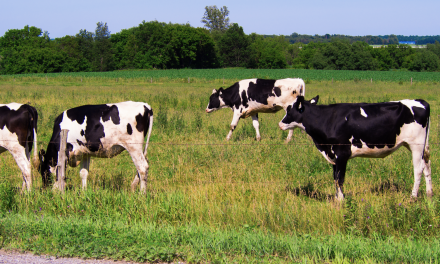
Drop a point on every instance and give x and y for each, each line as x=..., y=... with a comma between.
x=156, y=45
x=371, y=40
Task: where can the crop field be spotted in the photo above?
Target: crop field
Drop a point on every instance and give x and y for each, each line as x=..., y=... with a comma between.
x=182, y=75
x=212, y=200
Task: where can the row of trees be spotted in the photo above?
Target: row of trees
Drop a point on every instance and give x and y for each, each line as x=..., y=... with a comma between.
x=220, y=44
x=371, y=40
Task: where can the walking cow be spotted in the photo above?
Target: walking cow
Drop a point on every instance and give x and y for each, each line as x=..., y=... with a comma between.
x=18, y=130
x=101, y=131
x=252, y=96
x=345, y=131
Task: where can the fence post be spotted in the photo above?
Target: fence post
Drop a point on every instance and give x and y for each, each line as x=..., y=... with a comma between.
x=371, y=80
x=223, y=80
x=61, y=166
x=411, y=80
x=188, y=79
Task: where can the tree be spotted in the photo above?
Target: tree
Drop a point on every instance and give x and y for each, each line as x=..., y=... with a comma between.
x=233, y=47
x=425, y=60
x=216, y=19
x=103, y=52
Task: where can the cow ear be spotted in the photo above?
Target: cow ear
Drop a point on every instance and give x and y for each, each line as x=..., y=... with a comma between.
x=315, y=100
x=214, y=91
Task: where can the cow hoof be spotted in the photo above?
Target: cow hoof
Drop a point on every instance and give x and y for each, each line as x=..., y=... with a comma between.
x=258, y=138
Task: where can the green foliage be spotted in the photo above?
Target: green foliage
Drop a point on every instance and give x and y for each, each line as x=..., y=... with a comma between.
x=7, y=197
x=216, y=19
x=267, y=53
x=233, y=47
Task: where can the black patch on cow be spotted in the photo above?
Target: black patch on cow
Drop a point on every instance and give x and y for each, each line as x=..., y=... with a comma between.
x=241, y=110
x=422, y=115
x=22, y=122
x=294, y=92
x=261, y=90
x=230, y=96
x=277, y=91
x=129, y=129
x=143, y=121
x=244, y=100
x=111, y=113
x=82, y=132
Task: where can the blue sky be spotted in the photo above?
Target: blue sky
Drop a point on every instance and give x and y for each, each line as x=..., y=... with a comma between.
x=347, y=17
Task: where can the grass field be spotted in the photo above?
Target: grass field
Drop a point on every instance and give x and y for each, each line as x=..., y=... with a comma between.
x=209, y=200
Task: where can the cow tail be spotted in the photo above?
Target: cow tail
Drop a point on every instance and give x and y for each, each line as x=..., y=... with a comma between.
x=150, y=127
x=33, y=114
x=425, y=154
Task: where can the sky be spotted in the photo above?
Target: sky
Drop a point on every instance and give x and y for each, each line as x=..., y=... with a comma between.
x=270, y=17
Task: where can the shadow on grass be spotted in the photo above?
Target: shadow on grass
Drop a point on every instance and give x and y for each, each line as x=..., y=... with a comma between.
x=309, y=191
x=388, y=186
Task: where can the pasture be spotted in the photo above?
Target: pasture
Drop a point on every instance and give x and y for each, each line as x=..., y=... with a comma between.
x=212, y=200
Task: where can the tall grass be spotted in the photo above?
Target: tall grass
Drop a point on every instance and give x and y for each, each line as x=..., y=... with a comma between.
x=222, y=196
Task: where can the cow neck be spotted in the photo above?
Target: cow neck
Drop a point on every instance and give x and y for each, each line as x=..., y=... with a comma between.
x=231, y=96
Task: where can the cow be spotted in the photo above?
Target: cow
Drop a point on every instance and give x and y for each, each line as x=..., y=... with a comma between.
x=372, y=130
x=18, y=130
x=252, y=96
x=101, y=131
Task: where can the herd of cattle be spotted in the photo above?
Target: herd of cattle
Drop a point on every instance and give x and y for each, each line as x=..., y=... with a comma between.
x=340, y=131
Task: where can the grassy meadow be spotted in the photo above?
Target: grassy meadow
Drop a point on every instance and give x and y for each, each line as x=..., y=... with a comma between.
x=210, y=200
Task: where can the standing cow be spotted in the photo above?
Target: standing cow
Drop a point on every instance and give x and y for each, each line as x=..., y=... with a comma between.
x=101, y=131
x=18, y=129
x=252, y=96
x=345, y=131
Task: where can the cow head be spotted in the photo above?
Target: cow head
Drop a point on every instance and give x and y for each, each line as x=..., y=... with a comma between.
x=295, y=112
x=45, y=168
x=215, y=101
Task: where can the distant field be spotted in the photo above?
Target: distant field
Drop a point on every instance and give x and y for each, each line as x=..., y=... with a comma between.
x=209, y=200
x=237, y=74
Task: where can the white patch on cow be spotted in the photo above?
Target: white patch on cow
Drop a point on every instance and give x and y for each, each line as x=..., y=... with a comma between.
x=412, y=134
x=346, y=119
x=363, y=113
x=12, y=106
x=312, y=101
x=74, y=133
x=410, y=104
x=292, y=125
x=328, y=158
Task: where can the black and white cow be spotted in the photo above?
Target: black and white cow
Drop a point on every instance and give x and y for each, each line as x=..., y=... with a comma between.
x=252, y=96
x=18, y=130
x=101, y=131
x=345, y=131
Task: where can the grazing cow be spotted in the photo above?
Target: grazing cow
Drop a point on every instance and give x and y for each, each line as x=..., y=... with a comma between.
x=252, y=96
x=345, y=131
x=18, y=129
x=101, y=131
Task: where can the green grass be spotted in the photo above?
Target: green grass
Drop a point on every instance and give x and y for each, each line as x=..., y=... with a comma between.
x=211, y=200
x=219, y=75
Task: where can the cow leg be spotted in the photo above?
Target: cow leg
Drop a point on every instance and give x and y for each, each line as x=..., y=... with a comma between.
x=234, y=123
x=142, y=167
x=135, y=182
x=84, y=171
x=256, y=126
x=23, y=163
x=339, y=177
x=289, y=136
x=422, y=165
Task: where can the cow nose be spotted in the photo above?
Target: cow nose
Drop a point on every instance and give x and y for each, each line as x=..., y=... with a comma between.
x=207, y=111
x=280, y=125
